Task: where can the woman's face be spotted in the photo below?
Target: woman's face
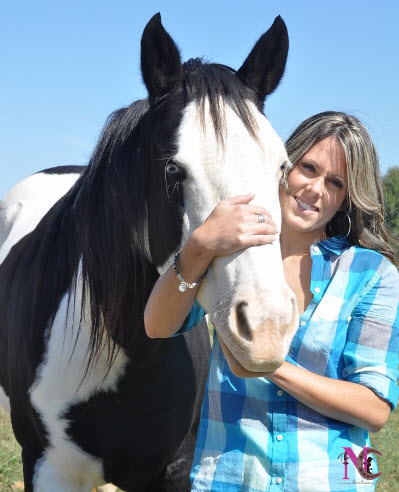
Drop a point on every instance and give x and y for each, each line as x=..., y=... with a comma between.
x=318, y=185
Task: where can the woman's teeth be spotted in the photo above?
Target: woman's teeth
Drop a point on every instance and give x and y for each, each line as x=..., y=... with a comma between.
x=305, y=205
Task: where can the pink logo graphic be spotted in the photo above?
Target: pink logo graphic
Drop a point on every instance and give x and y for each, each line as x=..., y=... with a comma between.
x=363, y=464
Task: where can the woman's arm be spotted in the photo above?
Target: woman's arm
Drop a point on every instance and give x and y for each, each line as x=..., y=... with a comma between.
x=232, y=226
x=341, y=400
x=167, y=307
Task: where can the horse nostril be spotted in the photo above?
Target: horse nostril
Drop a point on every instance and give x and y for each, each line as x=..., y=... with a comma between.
x=242, y=323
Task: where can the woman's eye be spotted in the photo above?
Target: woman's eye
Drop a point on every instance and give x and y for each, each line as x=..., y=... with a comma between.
x=308, y=167
x=172, y=169
x=336, y=183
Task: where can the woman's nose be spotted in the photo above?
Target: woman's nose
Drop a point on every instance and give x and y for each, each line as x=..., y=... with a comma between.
x=316, y=186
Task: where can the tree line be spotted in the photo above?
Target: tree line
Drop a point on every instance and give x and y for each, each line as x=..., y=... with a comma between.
x=390, y=183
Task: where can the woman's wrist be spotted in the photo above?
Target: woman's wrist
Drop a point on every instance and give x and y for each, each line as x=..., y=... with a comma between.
x=197, y=244
x=193, y=260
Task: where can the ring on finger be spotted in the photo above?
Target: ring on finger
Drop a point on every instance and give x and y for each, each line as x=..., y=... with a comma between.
x=261, y=217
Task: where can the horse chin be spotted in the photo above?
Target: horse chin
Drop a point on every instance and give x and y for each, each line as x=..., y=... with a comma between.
x=237, y=369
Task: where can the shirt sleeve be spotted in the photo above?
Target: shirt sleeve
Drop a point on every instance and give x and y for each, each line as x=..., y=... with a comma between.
x=372, y=346
x=194, y=318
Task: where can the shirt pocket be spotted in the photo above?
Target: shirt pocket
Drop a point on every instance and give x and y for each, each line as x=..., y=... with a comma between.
x=333, y=337
x=330, y=322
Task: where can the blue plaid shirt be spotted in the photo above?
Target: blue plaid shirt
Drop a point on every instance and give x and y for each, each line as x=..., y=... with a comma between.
x=255, y=437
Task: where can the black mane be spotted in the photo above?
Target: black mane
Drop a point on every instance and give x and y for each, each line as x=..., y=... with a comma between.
x=110, y=220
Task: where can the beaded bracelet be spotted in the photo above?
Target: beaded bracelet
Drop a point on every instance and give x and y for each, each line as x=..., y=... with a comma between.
x=183, y=284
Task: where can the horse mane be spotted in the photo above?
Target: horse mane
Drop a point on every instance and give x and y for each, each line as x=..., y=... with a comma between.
x=110, y=220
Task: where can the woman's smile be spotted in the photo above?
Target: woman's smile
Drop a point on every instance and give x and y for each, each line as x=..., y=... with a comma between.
x=305, y=206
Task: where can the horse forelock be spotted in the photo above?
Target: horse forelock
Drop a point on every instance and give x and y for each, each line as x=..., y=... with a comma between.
x=216, y=85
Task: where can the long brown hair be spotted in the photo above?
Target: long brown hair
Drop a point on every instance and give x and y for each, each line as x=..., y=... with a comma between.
x=365, y=201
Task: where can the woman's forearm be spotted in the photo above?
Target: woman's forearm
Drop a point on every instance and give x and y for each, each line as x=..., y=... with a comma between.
x=167, y=307
x=341, y=400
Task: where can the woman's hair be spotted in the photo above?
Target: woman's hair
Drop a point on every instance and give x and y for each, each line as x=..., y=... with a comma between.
x=365, y=202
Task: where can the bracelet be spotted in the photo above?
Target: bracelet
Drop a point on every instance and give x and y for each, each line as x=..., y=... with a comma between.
x=183, y=284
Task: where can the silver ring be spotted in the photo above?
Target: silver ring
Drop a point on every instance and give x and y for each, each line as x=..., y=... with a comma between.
x=261, y=217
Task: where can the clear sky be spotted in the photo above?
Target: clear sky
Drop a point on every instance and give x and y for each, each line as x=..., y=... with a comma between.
x=66, y=65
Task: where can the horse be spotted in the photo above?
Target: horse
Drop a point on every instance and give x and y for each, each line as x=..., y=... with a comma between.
x=92, y=398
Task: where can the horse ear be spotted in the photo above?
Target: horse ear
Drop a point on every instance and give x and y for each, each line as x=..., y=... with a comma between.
x=160, y=60
x=264, y=67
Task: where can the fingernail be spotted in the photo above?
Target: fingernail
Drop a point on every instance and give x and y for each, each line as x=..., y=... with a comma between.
x=252, y=194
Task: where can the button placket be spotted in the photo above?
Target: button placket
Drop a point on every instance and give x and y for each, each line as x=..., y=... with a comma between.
x=279, y=447
x=317, y=272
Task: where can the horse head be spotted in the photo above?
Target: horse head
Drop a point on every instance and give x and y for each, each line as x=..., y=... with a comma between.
x=208, y=140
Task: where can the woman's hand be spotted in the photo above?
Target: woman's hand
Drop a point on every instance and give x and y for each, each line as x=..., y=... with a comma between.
x=234, y=225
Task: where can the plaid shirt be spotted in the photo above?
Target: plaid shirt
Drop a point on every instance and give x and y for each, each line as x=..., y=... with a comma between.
x=255, y=437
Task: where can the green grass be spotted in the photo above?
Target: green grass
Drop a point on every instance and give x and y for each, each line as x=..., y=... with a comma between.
x=10, y=456
x=386, y=441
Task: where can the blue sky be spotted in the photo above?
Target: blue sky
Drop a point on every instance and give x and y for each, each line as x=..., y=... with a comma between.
x=67, y=65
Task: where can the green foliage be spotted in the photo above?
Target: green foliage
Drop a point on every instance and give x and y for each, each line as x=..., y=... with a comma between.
x=391, y=197
x=390, y=184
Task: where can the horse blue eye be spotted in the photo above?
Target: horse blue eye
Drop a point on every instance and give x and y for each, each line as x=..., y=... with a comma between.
x=172, y=169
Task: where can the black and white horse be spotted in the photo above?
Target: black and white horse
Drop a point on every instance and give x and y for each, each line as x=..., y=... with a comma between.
x=92, y=399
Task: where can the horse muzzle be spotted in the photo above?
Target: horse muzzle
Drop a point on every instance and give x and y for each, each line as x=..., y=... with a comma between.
x=258, y=331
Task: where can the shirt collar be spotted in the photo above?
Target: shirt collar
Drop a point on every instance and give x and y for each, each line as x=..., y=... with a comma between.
x=336, y=245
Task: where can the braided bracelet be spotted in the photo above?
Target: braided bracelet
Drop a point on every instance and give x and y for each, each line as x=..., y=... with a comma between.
x=183, y=284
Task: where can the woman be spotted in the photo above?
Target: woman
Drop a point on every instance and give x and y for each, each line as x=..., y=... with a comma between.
x=287, y=431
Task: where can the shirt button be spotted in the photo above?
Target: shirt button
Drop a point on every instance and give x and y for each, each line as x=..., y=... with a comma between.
x=317, y=290
x=303, y=323
x=279, y=437
x=316, y=248
x=279, y=480
x=280, y=392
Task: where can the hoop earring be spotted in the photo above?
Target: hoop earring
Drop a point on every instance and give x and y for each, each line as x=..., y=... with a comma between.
x=349, y=229
x=350, y=225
